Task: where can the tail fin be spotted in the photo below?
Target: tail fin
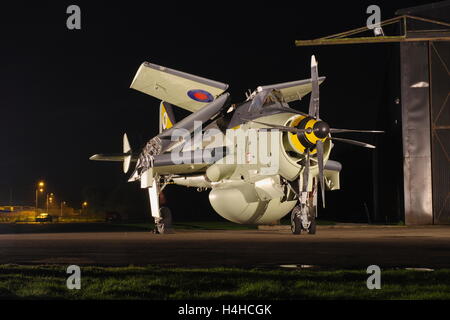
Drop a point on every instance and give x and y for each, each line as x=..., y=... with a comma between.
x=128, y=152
x=166, y=117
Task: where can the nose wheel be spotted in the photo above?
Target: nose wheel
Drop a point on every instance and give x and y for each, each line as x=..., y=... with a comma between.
x=303, y=219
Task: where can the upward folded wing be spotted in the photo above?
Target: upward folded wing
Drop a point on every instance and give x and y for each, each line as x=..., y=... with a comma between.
x=292, y=91
x=178, y=88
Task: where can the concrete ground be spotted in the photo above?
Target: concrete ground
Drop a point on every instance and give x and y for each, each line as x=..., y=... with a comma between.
x=332, y=246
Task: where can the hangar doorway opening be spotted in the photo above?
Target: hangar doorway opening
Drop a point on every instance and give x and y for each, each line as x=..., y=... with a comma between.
x=418, y=152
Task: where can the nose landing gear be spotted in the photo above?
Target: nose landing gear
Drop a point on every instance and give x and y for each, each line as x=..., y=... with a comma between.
x=303, y=219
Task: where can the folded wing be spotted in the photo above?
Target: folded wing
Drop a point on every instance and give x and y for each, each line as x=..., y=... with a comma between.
x=181, y=89
x=291, y=91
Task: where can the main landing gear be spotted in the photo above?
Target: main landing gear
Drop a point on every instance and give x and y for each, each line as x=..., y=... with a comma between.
x=163, y=224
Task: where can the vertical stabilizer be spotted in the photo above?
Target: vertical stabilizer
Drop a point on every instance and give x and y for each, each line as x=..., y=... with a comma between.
x=166, y=117
x=128, y=152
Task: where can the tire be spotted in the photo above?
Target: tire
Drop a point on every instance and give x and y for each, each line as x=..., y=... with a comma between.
x=312, y=216
x=312, y=227
x=296, y=223
x=165, y=225
x=166, y=215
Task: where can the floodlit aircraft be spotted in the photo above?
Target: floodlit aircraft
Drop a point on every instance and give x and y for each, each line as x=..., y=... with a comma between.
x=261, y=159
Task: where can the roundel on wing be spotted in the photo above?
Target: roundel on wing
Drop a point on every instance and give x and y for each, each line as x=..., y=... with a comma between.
x=200, y=95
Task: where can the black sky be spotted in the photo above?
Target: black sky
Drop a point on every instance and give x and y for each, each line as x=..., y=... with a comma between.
x=65, y=94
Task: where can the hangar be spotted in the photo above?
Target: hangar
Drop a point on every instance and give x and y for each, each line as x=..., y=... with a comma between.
x=420, y=84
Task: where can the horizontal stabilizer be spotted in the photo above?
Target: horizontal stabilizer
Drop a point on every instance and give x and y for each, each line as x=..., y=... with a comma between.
x=181, y=89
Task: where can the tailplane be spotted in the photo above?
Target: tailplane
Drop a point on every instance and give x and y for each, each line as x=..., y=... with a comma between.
x=126, y=157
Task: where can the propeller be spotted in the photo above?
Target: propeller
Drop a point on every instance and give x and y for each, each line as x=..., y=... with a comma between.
x=281, y=128
x=319, y=147
x=321, y=131
x=306, y=172
x=354, y=142
x=314, y=100
x=310, y=130
x=332, y=130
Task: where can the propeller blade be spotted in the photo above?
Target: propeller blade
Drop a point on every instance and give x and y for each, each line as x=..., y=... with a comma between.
x=281, y=128
x=356, y=143
x=320, y=163
x=306, y=173
x=314, y=99
x=333, y=130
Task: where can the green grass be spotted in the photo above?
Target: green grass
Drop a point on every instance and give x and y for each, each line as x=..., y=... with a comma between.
x=49, y=282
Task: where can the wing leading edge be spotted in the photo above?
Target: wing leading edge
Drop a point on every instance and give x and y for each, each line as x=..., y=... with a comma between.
x=292, y=91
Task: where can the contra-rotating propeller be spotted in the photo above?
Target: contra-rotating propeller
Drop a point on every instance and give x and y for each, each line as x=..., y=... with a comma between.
x=311, y=125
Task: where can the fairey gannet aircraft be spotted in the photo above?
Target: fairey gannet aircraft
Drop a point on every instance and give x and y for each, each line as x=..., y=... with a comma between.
x=261, y=159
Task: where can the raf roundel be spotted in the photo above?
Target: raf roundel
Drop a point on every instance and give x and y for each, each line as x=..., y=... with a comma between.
x=200, y=95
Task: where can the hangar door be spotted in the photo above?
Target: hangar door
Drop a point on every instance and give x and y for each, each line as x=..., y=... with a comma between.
x=425, y=82
x=439, y=67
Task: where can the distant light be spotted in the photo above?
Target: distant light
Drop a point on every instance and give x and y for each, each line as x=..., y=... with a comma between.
x=41, y=184
x=291, y=266
x=420, y=269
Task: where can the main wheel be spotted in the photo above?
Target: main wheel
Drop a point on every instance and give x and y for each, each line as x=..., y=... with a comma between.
x=296, y=222
x=312, y=226
x=164, y=224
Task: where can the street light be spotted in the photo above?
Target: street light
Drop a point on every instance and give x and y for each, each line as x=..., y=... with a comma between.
x=84, y=206
x=63, y=203
x=39, y=188
x=49, y=199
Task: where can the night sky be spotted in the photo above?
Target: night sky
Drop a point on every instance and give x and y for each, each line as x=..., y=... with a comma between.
x=65, y=94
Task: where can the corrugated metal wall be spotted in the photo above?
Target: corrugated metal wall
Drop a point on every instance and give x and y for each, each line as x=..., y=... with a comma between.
x=425, y=88
x=439, y=66
x=416, y=132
